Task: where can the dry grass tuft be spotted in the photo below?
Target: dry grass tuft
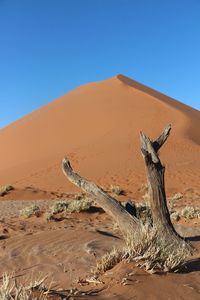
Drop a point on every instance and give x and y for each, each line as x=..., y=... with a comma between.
x=155, y=249
x=116, y=189
x=108, y=261
x=11, y=290
x=5, y=189
x=30, y=211
x=151, y=248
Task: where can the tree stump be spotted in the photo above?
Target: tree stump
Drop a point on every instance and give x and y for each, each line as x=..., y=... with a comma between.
x=129, y=224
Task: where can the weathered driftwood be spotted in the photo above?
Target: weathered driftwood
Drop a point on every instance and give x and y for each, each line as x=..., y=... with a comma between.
x=125, y=221
x=155, y=177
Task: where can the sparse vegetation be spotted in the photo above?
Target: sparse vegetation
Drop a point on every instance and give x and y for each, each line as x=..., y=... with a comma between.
x=5, y=189
x=78, y=196
x=11, y=290
x=49, y=216
x=108, y=261
x=155, y=249
x=175, y=215
x=59, y=206
x=116, y=189
x=79, y=205
x=188, y=212
x=71, y=206
x=173, y=201
x=151, y=248
x=177, y=196
x=33, y=210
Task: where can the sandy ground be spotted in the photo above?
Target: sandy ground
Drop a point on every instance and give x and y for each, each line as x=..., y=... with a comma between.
x=67, y=249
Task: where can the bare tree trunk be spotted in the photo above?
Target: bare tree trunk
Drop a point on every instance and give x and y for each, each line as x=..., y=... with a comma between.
x=155, y=176
x=125, y=221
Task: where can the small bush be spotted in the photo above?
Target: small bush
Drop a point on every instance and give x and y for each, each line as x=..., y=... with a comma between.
x=68, y=207
x=78, y=196
x=175, y=215
x=116, y=189
x=177, y=196
x=49, y=216
x=5, y=189
x=154, y=248
x=59, y=206
x=190, y=212
x=79, y=205
x=30, y=211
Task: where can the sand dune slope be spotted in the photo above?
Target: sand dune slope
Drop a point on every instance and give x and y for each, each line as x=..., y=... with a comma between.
x=97, y=126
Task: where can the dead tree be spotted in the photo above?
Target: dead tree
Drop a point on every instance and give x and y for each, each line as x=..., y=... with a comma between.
x=155, y=178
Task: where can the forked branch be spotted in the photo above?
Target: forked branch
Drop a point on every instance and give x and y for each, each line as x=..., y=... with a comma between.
x=155, y=177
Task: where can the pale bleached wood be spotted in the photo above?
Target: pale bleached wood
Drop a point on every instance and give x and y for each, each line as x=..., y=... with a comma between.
x=125, y=221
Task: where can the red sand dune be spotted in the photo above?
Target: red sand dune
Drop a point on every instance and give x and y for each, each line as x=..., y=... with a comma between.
x=97, y=127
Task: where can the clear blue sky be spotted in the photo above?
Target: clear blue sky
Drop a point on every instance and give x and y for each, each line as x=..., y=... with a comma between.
x=48, y=47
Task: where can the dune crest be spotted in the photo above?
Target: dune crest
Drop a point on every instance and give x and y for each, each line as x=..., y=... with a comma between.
x=97, y=126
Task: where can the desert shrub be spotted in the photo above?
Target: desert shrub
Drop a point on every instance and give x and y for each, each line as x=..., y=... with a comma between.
x=175, y=215
x=49, y=216
x=190, y=212
x=172, y=201
x=155, y=249
x=177, y=196
x=68, y=207
x=116, y=189
x=79, y=205
x=59, y=206
x=78, y=196
x=30, y=211
x=151, y=248
x=5, y=189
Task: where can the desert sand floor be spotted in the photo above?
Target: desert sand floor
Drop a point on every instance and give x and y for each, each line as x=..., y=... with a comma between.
x=67, y=249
